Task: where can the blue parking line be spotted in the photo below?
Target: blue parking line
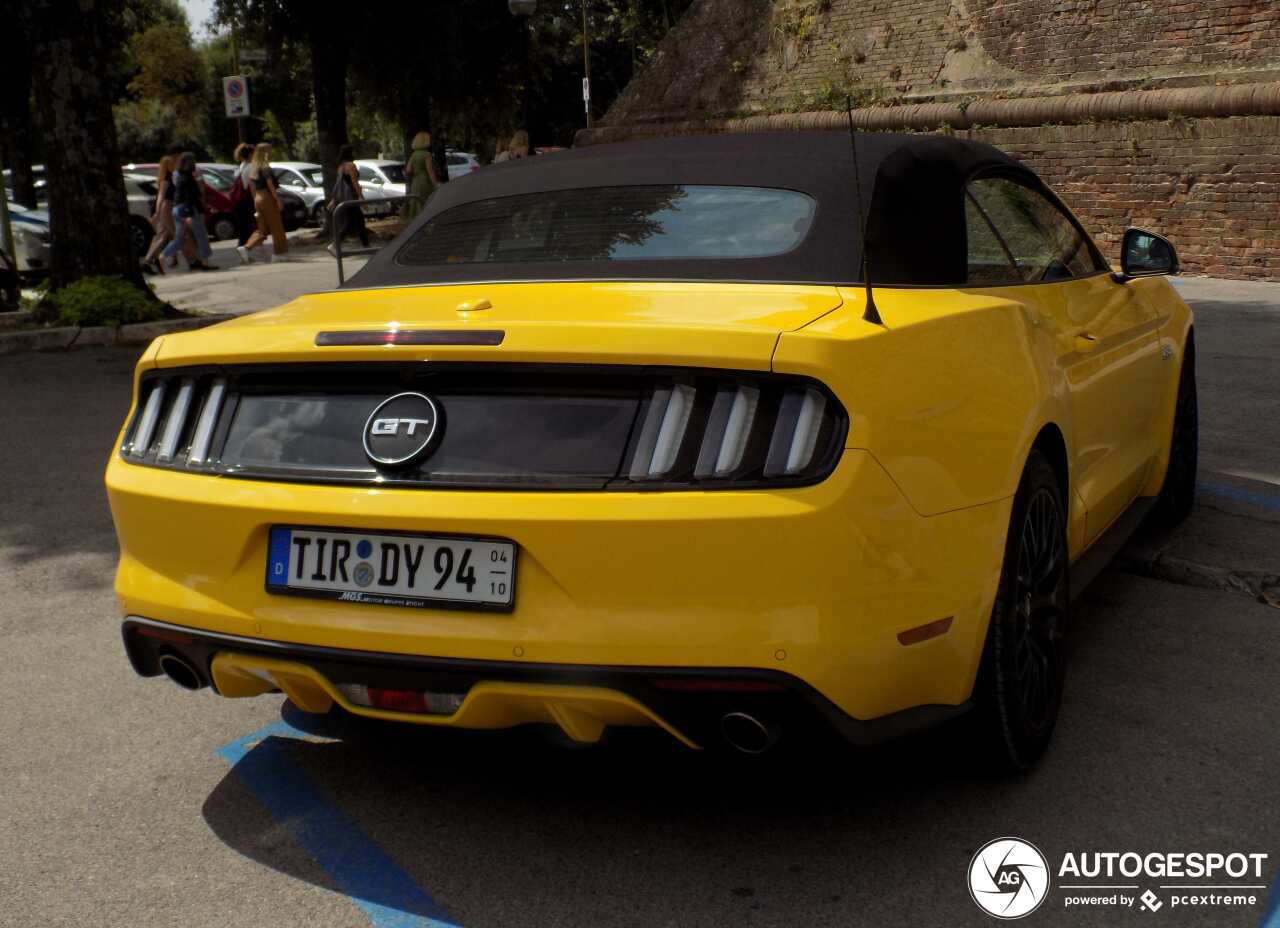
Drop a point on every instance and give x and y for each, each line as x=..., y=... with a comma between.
x=1271, y=918
x=1262, y=500
x=386, y=894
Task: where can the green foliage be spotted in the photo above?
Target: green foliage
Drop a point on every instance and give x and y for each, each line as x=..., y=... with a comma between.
x=104, y=301
x=165, y=102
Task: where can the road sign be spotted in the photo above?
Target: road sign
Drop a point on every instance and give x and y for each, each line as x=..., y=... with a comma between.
x=235, y=95
x=586, y=93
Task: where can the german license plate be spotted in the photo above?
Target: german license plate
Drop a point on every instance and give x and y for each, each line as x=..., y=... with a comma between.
x=425, y=571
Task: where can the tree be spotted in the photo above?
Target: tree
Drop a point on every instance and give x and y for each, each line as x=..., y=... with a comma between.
x=73, y=52
x=17, y=134
x=166, y=94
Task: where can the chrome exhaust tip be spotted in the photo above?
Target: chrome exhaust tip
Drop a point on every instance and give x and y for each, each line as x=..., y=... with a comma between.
x=181, y=671
x=749, y=734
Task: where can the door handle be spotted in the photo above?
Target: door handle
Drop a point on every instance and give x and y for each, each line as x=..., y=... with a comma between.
x=1086, y=342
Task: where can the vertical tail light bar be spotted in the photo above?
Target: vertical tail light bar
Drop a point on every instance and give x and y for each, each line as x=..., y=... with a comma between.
x=725, y=440
x=208, y=419
x=174, y=423
x=147, y=424
x=663, y=432
x=796, y=434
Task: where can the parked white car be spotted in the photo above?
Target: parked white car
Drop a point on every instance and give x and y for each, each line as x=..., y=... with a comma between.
x=307, y=181
x=387, y=176
x=140, y=193
x=461, y=162
x=31, y=249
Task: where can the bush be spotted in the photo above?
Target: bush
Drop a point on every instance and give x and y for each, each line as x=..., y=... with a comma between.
x=105, y=301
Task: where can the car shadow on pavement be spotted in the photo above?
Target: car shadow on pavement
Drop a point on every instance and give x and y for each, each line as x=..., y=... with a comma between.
x=486, y=819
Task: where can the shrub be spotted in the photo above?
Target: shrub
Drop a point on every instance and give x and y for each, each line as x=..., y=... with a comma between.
x=105, y=301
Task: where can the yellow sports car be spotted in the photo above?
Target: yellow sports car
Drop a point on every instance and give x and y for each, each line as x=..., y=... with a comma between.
x=738, y=436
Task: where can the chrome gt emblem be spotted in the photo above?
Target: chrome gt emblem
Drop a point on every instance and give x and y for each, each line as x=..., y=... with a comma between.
x=401, y=430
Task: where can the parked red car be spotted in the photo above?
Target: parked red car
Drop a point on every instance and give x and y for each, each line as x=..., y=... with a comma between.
x=219, y=216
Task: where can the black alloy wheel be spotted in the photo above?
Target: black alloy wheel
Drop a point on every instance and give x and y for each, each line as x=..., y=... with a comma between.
x=1020, y=683
x=1177, y=494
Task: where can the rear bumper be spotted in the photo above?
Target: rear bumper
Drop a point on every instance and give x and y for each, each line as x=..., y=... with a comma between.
x=686, y=702
x=812, y=584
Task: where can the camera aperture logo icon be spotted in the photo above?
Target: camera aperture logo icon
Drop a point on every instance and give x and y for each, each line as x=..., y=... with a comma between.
x=1008, y=878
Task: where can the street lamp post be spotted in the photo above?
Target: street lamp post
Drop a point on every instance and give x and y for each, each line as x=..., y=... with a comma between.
x=526, y=8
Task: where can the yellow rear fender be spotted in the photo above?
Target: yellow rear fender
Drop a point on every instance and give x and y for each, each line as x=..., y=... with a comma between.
x=949, y=395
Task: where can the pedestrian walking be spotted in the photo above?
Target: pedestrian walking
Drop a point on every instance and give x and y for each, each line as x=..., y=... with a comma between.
x=241, y=193
x=346, y=190
x=188, y=213
x=520, y=145
x=162, y=214
x=422, y=172
x=266, y=204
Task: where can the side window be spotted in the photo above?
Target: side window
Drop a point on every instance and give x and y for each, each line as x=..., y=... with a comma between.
x=989, y=258
x=1044, y=244
x=366, y=175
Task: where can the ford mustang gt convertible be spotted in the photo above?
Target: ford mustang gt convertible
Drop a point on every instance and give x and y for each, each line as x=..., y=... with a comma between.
x=664, y=433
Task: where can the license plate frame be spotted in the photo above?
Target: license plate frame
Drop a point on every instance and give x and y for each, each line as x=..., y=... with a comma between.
x=372, y=595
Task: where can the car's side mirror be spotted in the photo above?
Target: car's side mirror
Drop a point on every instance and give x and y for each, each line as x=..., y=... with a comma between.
x=1145, y=254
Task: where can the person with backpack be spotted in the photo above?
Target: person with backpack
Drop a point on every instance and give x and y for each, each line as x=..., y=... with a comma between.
x=346, y=190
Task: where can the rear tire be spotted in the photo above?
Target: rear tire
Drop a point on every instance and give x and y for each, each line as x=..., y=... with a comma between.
x=1020, y=681
x=1178, y=492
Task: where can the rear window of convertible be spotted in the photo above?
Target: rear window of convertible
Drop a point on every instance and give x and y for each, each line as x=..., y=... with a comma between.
x=615, y=224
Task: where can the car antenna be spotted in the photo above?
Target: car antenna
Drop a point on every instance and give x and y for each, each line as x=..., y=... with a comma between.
x=870, y=314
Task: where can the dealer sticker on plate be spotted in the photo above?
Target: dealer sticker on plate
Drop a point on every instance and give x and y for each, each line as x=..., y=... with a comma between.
x=427, y=571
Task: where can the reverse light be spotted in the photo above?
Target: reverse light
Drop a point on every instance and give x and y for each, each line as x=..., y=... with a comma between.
x=422, y=702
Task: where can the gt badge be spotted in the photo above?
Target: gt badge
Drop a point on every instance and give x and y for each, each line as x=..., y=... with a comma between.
x=401, y=430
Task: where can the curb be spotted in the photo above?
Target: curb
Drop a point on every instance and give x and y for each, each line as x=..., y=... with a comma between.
x=139, y=333
x=1157, y=565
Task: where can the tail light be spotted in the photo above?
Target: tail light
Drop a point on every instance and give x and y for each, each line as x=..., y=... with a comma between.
x=721, y=433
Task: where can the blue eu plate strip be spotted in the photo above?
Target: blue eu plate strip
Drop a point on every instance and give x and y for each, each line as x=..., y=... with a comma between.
x=278, y=555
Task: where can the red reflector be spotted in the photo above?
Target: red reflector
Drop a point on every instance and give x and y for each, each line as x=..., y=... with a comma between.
x=163, y=634
x=398, y=700
x=924, y=632
x=682, y=685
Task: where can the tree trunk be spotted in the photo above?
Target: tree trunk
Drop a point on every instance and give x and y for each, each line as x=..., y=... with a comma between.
x=88, y=212
x=16, y=131
x=330, y=49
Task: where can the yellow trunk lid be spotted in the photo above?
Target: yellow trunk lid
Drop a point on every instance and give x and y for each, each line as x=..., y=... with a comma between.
x=709, y=324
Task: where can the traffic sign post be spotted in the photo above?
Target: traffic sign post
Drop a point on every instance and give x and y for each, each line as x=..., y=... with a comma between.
x=235, y=95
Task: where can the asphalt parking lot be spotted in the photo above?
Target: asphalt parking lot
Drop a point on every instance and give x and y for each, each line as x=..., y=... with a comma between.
x=127, y=802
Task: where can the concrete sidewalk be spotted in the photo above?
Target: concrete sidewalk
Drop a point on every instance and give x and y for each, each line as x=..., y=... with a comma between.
x=239, y=288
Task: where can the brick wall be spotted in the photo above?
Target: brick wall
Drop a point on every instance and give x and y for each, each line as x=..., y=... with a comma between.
x=738, y=57
x=1211, y=185
x=1074, y=39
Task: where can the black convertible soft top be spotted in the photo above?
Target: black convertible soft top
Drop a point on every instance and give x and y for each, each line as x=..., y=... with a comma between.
x=913, y=193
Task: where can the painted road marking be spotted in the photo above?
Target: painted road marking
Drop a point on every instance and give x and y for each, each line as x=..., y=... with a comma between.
x=1271, y=918
x=386, y=894
x=1263, y=500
